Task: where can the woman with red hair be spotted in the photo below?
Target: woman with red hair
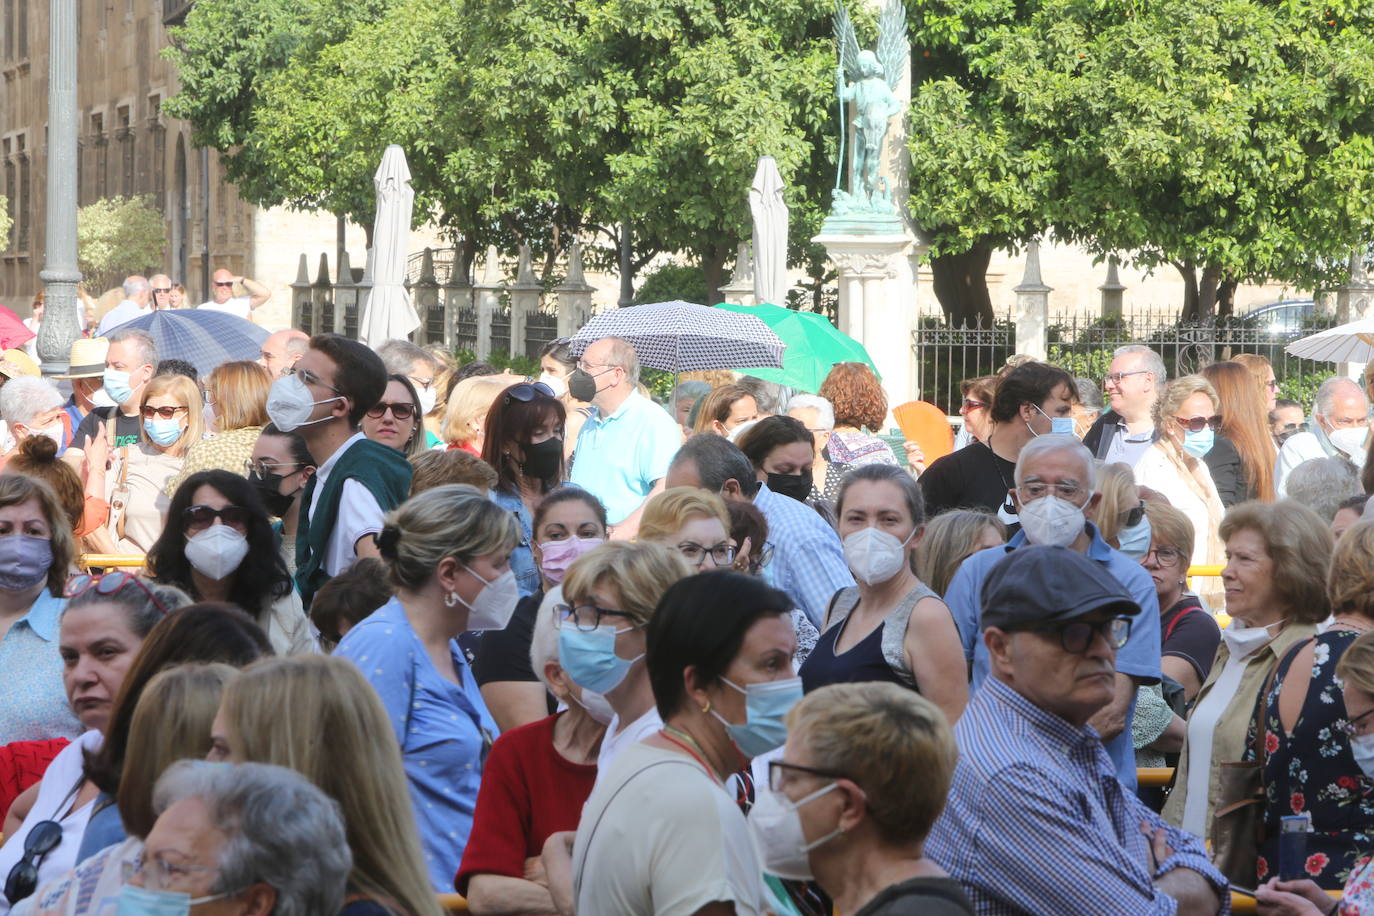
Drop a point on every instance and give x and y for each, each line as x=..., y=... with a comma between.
x=860, y=408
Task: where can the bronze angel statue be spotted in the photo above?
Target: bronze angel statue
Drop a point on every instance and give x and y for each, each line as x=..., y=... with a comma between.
x=867, y=79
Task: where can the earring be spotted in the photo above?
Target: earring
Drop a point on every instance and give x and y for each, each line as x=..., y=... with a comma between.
x=450, y=599
x=707, y=707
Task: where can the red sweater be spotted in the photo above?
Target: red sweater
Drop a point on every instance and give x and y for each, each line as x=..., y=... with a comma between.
x=529, y=791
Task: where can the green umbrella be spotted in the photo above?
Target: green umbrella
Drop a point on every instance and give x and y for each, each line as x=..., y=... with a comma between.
x=813, y=346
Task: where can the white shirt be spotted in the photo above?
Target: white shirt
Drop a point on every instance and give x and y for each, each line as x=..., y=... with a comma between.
x=659, y=835
x=239, y=305
x=1202, y=725
x=55, y=795
x=617, y=739
x=359, y=513
x=1297, y=448
x=126, y=311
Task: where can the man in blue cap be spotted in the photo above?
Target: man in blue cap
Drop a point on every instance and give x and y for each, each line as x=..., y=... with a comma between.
x=1037, y=821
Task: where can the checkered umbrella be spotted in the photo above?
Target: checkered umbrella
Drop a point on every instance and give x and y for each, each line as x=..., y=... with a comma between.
x=203, y=337
x=683, y=337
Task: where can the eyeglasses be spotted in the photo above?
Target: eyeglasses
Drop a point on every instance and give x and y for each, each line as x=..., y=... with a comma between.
x=1131, y=517
x=224, y=282
x=1293, y=428
x=971, y=404
x=526, y=392
x=1036, y=489
x=263, y=468
x=198, y=518
x=1116, y=377
x=756, y=560
x=401, y=411
x=109, y=584
x=161, y=289
x=777, y=771
x=1164, y=556
x=160, y=876
x=587, y=617
x=1075, y=637
x=1196, y=424
x=421, y=383
x=309, y=378
x=166, y=413
x=23, y=877
x=1352, y=728
x=721, y=554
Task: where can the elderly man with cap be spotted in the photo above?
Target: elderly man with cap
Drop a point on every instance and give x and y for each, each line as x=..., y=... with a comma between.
x=1036, y=821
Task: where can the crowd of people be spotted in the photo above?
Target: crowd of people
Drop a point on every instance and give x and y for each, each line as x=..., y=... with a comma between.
x=560, y=648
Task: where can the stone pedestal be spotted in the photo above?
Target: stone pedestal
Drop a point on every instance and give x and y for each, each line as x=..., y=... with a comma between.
x=525, y=293
x=878, y=302
x=488, y=301
x=1113, y=291
x=574, y=295
x=1032, y=308
x=740, y=289
x=1353, y=301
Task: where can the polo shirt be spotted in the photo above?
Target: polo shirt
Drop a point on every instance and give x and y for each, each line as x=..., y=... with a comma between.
x=35, y=706
x=621, y=456
x=1126, y=447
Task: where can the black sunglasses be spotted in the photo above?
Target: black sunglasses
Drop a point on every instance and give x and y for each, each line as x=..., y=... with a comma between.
x=165, y=413
x=23, y=877
x=1075, y=637
x=1131, y=517
x=526, y=391
x=198, y=517
x=1196, y=424
x=400, y=411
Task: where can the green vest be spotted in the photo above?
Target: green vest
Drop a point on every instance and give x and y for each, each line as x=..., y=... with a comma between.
x=386, y=474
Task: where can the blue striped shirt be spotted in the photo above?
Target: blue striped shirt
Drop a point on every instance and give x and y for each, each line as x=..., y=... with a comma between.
x=808, y=560
x=1037, y=822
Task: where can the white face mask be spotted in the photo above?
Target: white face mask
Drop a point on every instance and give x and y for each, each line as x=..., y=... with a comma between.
x=289, y=404
x=217, y=551
x=558, y=386
x=874, y=556
x=595, y=704
x=53, y=432
x=1362, y=746
x=1350, y=442
x=1242, y=641
x=775, y=824
x=1051, y=521
x=494, y=604
x=427, y=397
x=101, y=398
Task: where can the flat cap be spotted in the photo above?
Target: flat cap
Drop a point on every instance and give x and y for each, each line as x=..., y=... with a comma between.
x=1039, y=586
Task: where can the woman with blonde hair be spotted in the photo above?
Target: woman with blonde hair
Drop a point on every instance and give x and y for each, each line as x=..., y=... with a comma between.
x=135, y=484
x=1262, y=371
x=171, y=722
x=237, y=393
x=1120, y=514
x=1244, y=433
x=468, y=404
x=336, y=738
x=694, y=523
x=447, y=553
x=950, y=539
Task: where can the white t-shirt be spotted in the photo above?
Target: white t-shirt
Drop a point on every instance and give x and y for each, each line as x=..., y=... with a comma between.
x=239, y=305
x=660, y=836
x=55, y=796
x=617, y=739
x=359, y=514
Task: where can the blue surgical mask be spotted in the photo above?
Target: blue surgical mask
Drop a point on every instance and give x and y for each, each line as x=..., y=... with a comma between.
x=1059, y=426
x=1135, y=541
x=24, y=561
x=1199, y=443
x=589, y=656
x=766, y=706
x=117, y=385
x=163, y=432
x=1362, y=747
x=141, y=901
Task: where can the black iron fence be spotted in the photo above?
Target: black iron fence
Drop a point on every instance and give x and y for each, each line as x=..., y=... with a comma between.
x=945, y=356
x=540, y=328
x=465, y=329
x=500, y=330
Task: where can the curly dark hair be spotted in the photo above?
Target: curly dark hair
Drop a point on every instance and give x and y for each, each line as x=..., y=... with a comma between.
x=1029, y=383
x=759, y=440
x=858, y=399
x=260, y=579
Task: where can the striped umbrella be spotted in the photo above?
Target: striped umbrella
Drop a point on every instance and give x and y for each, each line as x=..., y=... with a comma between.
x=203, y=337
x=684, y=337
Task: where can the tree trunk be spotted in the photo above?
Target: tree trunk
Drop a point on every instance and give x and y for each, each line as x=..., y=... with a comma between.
x=713, y=269
x=464, y=253
x=961, y=285
x=1207, y=291
x=1188, y=270
x=1226, y=297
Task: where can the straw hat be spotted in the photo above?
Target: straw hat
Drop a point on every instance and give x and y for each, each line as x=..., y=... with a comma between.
x=87, y=358
x=16, y=362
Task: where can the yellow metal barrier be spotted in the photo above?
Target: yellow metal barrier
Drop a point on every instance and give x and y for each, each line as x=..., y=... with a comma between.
x=1150, y=777
x=1244, y=903
x=111, y=560
x=453, y=903
x=1205, y=570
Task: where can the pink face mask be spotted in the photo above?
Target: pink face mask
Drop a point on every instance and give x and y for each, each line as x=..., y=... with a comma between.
x=557, y=556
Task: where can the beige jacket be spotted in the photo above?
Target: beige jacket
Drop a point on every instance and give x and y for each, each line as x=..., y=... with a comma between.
x=1228, y=742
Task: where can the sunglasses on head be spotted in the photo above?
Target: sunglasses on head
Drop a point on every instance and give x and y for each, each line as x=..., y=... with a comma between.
x=1197, y=424
x=109, y=584
x=401, y=411
x=526, y=392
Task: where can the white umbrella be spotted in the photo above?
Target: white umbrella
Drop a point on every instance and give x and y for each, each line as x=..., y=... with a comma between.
x=1347, y=343
x=388, y=314
x=770, y=233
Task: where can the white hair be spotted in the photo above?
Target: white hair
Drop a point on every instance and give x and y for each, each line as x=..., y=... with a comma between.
x=1043, y=445
x=1326, y=394
x=400, y=355
x=134, y=285
x=1149, y=360
x=25, y=397
x=1322, y=484
x=825, y=411
x=544, y=639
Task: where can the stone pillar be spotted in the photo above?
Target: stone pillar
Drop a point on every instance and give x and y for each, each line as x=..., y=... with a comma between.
x=1353, y=299
x=524, y=298
x=1032, y=308
x=488, y=300
x=345, y=297
x=60, y=274
x=322, y=299
x=1113, y=291
x=300, y=297
x=574, y=295
x=424, y=292
x=876, y=305
x=740, y=290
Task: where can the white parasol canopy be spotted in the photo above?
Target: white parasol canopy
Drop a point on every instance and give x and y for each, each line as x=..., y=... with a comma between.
x=770, y=233
x=1347, y=343
x=388, y=314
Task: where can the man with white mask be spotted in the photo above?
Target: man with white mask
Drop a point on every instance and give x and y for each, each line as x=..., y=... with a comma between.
x=1340, y=430
x=1055, y=496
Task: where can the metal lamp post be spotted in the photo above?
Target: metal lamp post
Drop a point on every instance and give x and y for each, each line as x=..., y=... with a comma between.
x=60, y=274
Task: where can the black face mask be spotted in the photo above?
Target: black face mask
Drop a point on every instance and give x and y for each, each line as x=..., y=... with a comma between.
x=582, y=385
x=543, y=459
x=269, y=490
x=797, y=486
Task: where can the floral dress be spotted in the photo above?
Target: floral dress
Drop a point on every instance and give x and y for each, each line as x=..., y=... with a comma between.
x=1312, y=770
x=1358, y=899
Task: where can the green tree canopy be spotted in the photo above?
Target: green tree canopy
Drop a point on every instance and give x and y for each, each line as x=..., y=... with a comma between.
x=5, y=221
x=118, y=236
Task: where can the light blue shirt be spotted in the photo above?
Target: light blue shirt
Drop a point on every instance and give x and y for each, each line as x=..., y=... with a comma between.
x=620, y=457
x=1139, y=658
x=808, y=560
x=444, y=731
x=35, y=706
x=522, y=557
